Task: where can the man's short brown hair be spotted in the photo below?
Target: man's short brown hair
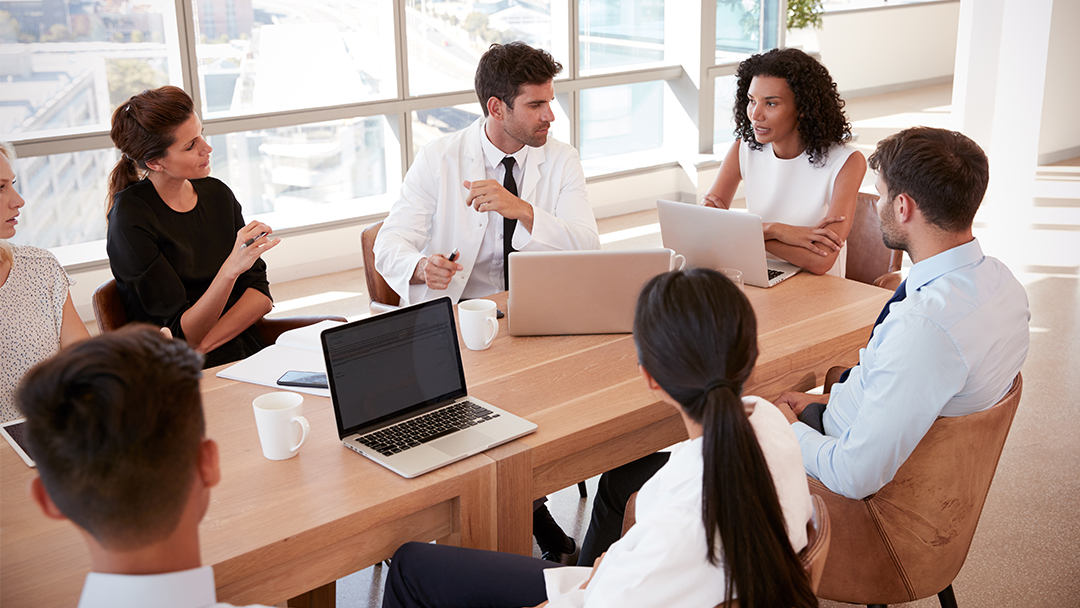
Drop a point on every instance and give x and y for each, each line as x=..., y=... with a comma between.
x=944, y=171
x=115, y=425
x=505, y=67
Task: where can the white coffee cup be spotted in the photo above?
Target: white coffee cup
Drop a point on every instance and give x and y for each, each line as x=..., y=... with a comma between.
x=478, y=323
x=734, y=275
x=678, y=261
x=282, y=430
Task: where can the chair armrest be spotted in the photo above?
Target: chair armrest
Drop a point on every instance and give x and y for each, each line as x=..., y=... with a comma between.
x=889, y=280
x=270, y=329
x=628, y=517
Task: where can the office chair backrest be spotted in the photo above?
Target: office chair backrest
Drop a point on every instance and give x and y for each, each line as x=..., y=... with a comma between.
x=108, y=309
x=909, y=540
x=868, y=259
x=378, y=289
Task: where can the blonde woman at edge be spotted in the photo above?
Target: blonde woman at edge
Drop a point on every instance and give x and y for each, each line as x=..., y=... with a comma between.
x=37, y=317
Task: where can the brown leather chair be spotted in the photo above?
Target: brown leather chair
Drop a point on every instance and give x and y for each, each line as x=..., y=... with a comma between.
x=909, y=540
x=813, y=556
x=378, y=289
x=868, y=259
x=109, y=314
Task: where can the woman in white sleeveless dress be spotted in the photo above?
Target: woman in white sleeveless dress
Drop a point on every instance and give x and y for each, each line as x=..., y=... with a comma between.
x=801, y=175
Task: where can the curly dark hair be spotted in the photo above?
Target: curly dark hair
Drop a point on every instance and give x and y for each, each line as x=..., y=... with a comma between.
x=821, y=121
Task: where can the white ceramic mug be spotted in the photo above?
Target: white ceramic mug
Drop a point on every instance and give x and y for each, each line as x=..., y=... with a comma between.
x=282, y=430
x=678, y=261
x=734, y=275
x=478, y=323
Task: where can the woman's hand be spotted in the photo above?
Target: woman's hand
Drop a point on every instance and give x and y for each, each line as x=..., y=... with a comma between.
x=243, y=254
x=712, y=200
x=816, y=239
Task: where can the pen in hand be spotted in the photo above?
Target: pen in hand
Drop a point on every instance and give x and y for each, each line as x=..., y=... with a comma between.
x=251, y=241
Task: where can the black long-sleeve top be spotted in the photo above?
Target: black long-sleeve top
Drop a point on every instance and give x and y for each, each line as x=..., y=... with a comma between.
x=164, y=260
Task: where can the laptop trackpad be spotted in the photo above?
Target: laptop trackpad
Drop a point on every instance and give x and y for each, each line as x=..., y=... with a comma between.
x=462, y=442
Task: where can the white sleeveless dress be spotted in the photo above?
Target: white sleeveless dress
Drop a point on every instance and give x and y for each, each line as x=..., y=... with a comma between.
x=792, y=191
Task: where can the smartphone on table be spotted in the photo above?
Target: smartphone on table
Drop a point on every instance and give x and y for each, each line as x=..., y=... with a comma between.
x=303, y=379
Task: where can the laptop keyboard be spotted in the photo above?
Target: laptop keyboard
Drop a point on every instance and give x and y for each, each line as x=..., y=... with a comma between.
x=774, y=273
x=429, y=427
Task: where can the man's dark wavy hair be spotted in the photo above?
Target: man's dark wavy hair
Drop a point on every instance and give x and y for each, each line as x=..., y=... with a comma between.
x=505, y=67
x=821, y=120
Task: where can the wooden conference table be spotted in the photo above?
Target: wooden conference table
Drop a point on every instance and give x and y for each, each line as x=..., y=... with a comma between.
x=275, y=530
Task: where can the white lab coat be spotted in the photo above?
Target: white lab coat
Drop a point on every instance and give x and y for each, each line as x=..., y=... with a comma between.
x=431, y=216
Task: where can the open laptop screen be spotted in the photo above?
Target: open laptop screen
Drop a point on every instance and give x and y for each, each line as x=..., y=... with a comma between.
x=387, y=365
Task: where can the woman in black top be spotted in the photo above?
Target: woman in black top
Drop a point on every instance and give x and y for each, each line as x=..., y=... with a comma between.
x=176, y=238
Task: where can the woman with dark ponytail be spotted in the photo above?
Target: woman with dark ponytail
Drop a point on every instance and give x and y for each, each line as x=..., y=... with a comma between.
x=182, y=256
x=723, y=519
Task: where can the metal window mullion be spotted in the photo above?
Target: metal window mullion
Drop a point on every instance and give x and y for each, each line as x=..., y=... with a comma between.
x=707, y=87
x=573, y=112
x=189, y=58
x=401, y=57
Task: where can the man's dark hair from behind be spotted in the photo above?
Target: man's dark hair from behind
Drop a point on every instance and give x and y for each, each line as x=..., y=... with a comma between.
x=505, y=67
x=944, y=171
x=114, y=424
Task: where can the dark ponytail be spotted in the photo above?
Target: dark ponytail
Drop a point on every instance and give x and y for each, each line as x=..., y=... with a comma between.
x=143, y=128
x=696, y=335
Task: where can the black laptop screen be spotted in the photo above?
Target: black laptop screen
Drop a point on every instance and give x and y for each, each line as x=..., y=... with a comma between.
x=391, y=363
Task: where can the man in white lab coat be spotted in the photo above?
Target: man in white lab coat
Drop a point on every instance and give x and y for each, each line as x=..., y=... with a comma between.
x=500, y=185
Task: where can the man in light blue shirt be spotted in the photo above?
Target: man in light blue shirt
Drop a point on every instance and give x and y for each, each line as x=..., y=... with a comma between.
x=950, y=343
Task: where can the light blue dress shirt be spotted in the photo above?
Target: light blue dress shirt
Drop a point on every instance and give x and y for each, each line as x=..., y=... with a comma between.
x=952, y=347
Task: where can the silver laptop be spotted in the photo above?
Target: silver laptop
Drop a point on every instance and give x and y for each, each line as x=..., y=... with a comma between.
x=720, y=238
x=399, y=391
x=579, y=292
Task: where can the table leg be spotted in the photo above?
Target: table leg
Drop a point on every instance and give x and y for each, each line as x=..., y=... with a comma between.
x=515, y=485
x=320, y=597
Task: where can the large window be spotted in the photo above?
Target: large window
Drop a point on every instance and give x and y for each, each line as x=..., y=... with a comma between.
x=263, y=56
x=316, y=108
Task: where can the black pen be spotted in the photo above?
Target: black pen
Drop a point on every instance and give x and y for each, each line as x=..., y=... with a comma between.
x=251, y=241
x=453, y=256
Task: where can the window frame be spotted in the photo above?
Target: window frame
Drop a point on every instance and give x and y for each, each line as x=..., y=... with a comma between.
x=690, y=73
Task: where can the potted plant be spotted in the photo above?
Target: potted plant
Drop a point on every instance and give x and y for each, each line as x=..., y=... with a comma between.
x=803, y=16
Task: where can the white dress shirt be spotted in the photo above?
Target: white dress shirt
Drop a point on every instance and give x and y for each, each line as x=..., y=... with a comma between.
x=185, y=589
x=952, y=347
x=487, y=274
x=661, y=562
x=430, y=216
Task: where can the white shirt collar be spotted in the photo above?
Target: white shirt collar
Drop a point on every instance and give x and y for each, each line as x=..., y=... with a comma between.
x=493, y=156
x=185, y=589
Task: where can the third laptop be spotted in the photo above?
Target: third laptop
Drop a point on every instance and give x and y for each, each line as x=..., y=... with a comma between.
x=721, y=238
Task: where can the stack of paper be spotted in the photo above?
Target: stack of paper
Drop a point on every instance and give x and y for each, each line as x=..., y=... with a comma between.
x=298, y=349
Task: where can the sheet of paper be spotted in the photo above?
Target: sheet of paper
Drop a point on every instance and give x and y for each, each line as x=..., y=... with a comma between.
x=267, y=365
x=308, y=337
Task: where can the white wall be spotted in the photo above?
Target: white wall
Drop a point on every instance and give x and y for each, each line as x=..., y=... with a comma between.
x=1059, y=137
x=888, y=49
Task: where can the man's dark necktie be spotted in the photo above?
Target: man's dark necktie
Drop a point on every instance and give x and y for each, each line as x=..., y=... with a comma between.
x=508, y=224
x=899, y=294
